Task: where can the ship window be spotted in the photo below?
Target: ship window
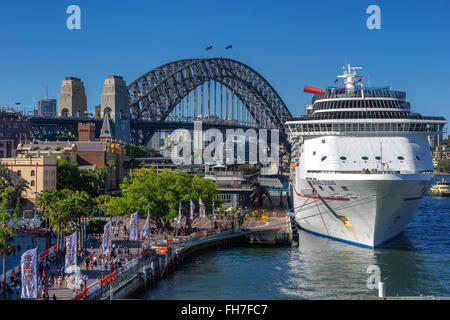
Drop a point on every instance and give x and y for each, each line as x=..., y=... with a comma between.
x=331, y=188
x=378, y=157
x=343, y=158
x=323, y=141
x=323, y=158
x=320, y=187
x=344, y=188
x=400, y=158
x=418, y=158
x=314, y=153
x=365, y=158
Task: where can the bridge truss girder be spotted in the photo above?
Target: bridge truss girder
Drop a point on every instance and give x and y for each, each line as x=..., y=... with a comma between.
x=154, y=95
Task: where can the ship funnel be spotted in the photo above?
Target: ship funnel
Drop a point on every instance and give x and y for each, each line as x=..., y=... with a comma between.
x=312, y=90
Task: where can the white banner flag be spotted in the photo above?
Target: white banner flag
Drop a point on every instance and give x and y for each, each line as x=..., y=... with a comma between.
x=29, y=274
x=201, y=210
x=179, y=214
x=192, y=208
x=145, y=232
x=134, y=227
x=71, y=253
x=106, y=244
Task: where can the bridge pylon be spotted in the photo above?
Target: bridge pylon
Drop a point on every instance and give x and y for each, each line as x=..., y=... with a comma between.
x=72, y=99
x=115, y=102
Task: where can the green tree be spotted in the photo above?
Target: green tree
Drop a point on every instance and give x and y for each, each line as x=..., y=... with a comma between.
x=6, y=239
x=160, y=193
x=59, y=137
x=67, y=211
x=11, y=201
x=443, y=165
x=134, y=151
x=70, y=176
x=11, y=191
x=49, y=202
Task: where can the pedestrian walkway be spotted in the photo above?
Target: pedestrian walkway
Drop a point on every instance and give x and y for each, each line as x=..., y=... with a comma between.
x=63, y=292
x=94, y=273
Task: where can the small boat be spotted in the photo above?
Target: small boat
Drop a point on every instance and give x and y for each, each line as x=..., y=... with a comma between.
x=440, y=189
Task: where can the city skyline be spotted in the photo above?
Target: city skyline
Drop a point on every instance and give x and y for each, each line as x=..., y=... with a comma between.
x=291, y=45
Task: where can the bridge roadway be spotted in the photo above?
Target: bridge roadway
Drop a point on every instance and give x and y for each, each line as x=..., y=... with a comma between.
x=140, y=129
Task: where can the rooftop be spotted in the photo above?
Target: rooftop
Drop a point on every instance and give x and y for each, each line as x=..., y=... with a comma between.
x=90, y=146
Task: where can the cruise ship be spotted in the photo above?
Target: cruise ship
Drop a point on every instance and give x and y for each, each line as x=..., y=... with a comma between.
x=361, y=161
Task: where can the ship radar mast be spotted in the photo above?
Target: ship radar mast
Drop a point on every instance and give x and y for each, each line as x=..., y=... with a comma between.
x=349, y=76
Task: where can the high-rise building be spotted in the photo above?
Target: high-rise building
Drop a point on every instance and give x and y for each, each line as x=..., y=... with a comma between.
x=47, y=107
x=72, y=99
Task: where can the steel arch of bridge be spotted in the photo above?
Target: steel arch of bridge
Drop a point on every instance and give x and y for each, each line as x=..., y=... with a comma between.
x=156, y=93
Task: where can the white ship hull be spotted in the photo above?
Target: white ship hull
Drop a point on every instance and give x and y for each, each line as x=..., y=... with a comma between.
x=374, y=209
x=362, y=161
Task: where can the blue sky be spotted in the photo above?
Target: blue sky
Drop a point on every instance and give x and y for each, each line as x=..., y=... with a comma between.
x=290, y=43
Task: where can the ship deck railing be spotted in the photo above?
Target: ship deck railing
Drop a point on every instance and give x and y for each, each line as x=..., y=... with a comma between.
x=371, y=171
x=332, y=93
x=348, y=126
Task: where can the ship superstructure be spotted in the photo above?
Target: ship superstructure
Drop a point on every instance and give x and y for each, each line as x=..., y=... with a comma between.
x=362, y=161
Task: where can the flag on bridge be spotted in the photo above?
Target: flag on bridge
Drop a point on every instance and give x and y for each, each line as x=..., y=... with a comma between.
x=229, y=47
x=179, y=214
x=192, y=208
x=71, y=253
x=134, y=227
x=145, y=232
x=29, y=274
x=209, y=48
x=106, y=243
x=201, y=209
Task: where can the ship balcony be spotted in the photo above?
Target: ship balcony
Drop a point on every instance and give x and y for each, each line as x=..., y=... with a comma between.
x=426, y=125
x=336, y=93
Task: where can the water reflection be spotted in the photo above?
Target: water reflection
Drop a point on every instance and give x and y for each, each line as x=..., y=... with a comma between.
x=417, y=262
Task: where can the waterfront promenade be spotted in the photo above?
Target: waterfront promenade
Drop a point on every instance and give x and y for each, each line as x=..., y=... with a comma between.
x=66, y=289
x=63, y=287
x=63, y=292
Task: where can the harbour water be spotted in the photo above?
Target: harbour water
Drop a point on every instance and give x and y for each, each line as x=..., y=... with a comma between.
x=415, y=263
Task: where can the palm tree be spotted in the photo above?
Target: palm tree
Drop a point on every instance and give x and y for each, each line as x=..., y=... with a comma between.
x=6, y=240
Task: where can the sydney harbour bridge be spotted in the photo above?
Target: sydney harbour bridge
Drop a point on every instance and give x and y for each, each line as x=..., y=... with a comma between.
x=221, y=93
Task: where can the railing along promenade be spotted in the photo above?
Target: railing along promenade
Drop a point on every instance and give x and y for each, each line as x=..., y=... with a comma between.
x=153, y=262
